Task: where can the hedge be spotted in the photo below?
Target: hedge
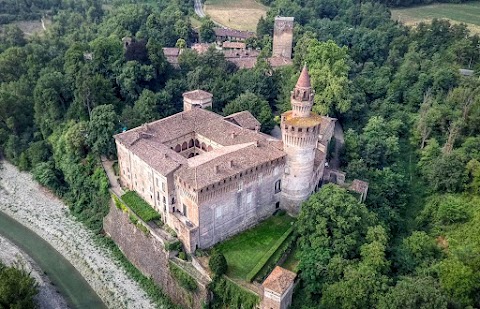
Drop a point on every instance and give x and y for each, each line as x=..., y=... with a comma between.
x=253, y=273
x=228, y=294
x=140, y=207
x=183, y=278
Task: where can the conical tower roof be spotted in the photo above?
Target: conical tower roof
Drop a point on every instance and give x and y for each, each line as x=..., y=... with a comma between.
x=304, y=79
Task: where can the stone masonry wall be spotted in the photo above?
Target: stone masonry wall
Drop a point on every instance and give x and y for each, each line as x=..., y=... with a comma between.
x=151, y=258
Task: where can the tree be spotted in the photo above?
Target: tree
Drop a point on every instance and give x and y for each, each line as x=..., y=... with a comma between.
x=363, y=283
x=207, y=34
x=414, y=293
x=218, y=263
x=328, y=67
x=416, y=251
x=332, y=225
x=17, y=288
x=101, y=129
x=145, y=110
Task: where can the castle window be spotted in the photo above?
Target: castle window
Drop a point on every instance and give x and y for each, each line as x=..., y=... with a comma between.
x=184, y=146
x=178, y=148
x=164, y=201
x=190, y=143
x=299, y=129
x=158, y=196
x=163, y=186
x=278, y=186
x=173, y=200
x=184, y=210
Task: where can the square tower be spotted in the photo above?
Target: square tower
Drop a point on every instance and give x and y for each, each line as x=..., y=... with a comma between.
x=197, y=99
x=283, y=37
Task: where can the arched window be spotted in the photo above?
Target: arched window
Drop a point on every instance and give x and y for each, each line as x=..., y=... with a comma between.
x=184, y=146
x=210, y=148
x=178, y=148
x=278, y=186
x=204, y=147
x=190, y=143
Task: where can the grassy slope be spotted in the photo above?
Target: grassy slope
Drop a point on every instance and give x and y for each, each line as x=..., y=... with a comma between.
x=458, y=13
x=244, y=251
x=237, y=14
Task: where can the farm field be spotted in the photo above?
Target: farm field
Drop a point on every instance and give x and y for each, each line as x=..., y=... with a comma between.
x=468, y=13
x=236, y=14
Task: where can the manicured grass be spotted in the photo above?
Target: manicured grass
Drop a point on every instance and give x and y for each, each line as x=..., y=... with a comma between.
x=140, y=207
x=245, y=250
x=457, y=13
x=236, y=14
x=291, y=263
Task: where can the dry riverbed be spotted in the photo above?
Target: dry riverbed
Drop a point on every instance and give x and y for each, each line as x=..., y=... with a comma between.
x=36, y=208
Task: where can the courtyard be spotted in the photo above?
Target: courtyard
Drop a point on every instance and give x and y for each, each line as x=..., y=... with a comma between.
x=244, y=251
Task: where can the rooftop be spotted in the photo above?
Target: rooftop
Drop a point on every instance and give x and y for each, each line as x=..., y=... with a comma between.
x=244, y=119
x=197, y=95
x=303, y=122
x=233, y=33
x=250, y=148
x=304, y=79
x=279, y=280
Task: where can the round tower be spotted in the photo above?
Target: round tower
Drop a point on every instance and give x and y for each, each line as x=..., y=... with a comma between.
x=300, y=129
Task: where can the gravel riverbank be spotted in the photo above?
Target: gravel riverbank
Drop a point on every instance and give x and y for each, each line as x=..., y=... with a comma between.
x=41, y=211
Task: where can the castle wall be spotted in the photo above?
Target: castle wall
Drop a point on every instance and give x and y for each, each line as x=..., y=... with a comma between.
x=150, y=257
x=155, y=188
x=239, y=206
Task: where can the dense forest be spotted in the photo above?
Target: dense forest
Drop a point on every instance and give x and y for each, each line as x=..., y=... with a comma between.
x=412, y=124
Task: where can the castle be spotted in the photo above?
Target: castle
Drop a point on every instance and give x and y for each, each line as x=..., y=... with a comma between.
x=211, y=177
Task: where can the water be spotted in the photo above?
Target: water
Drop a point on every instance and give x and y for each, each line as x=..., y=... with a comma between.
x=66, y=278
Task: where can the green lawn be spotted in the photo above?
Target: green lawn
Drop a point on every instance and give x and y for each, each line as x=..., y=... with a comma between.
x=291, y=263
x=245, y=250
x=468, y=13
x=140, y=207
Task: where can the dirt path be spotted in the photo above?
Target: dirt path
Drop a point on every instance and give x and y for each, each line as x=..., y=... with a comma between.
x=31, y=205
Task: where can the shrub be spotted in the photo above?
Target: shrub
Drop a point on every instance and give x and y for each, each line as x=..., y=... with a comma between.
x=17, y=288
x=218, y=263
x=183, y=278
x=173, y=246
x=253, y=273
x=140, y=207
x=182, y=255
x=227, y=294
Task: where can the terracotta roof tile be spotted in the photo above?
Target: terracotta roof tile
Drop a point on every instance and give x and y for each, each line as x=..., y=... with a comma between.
x=197, y=95
x=236, y=45
x=279, y=280
x=304, y=79
x=224, y=32
x=244, y=119
x=359, y=186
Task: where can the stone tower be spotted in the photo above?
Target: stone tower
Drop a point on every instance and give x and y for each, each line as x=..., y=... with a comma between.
x=283, y=37
x=300, y=130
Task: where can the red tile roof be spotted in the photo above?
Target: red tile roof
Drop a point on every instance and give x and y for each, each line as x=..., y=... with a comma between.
x=304, y=79
x=279, y=280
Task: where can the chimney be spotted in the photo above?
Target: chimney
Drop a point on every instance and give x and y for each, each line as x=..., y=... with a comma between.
x=230, y=164
x=233, y=134
x=217, y=168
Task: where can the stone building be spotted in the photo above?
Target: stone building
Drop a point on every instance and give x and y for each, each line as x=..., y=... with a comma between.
x=278, y=289
x=283, y=37
x=211, y=177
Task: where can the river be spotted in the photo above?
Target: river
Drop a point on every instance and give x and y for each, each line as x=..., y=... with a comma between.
x=66, y=278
